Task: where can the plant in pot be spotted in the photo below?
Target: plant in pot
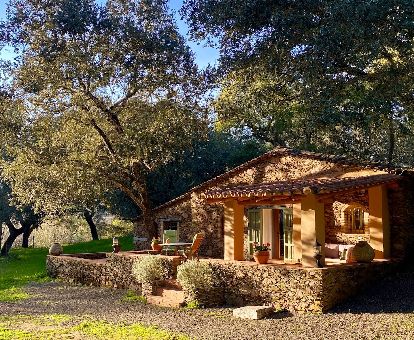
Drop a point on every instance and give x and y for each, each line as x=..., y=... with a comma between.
x=261, y=252
x=156, y=244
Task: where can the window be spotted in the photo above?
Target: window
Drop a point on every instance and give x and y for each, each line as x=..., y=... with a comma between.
x=170, y=230
x=355, y=218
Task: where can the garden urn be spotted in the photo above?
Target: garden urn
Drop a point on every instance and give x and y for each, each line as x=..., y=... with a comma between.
x=261, y=256
x=55, y=249
x=363, y=252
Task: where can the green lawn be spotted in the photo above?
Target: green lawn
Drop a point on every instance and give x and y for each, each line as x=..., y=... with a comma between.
x=26, y=265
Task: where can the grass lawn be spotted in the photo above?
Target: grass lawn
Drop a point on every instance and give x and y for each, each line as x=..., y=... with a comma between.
x=58, y=326
x=26, y=265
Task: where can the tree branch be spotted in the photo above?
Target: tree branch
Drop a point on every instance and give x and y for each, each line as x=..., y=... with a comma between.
x=104, y=137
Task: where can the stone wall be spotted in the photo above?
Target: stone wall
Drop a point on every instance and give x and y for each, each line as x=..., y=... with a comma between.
x=196, y=215
x=298, y=290
x=113, y=271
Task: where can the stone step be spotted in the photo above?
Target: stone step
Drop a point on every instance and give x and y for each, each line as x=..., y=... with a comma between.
x=166, y=297
x=171, y=284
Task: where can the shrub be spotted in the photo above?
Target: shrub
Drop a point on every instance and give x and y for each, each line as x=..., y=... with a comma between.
x=152, y=268
x=195, y=275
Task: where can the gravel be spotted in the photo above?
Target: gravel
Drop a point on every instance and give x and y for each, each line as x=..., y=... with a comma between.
x=385, y=311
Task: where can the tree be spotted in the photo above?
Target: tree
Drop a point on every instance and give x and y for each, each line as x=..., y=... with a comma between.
x=208, y=158
x=110, y=94
x=18, y=220
x=336, y=74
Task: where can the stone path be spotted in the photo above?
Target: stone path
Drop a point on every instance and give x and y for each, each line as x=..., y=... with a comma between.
x=386, y=311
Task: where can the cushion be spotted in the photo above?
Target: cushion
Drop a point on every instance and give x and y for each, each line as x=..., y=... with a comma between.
x=332, y=250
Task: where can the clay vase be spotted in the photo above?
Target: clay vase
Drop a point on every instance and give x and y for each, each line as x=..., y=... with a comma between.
x=261, y=257
x=363, y=252
x=156, y=246
x=55, y=249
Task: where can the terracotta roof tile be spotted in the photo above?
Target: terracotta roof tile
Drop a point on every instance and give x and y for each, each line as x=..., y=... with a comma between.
x=301, y=187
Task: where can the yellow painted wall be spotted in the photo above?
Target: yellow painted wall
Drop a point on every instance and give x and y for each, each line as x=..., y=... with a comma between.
x=313, y=229
x=379, y=221
x=233, y=231
x=297, y=210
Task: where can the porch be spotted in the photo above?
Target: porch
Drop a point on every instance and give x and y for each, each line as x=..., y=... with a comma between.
x=299, y=217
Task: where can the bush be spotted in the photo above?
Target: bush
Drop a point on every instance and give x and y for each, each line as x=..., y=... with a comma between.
x=195, y=275
x=152, y=268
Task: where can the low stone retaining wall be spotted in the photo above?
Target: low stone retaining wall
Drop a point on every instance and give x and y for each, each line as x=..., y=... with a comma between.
x=113, y=270
x=299, y=290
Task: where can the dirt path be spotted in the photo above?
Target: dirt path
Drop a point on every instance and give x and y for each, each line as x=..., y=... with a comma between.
x=385, y=312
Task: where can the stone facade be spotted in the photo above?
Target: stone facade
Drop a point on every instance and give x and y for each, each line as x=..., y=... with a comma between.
x=196, y=215
x=292, y=288
x=298, y=290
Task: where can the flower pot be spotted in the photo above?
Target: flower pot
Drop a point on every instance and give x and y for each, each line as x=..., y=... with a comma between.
x=261, y=257
x=55, y=249
x=363, y=252
x=156, y=246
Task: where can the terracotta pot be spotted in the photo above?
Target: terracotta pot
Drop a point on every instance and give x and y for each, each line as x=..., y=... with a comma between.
x=363, y=252
x=261, y=257
x=55, y=249
x=156, y=246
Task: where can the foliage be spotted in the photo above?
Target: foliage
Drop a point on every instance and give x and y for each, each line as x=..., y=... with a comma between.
x=194, y=275
x=13, y=294
x=33, y=327
x=261, y=247
x=155, y=240
x=221, y=152
x=108, y=94
x=152, y=268
x=131, y=296
x=329, y=75
x=194, y=304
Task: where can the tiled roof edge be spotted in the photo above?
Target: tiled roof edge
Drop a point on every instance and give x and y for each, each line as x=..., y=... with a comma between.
x=279, y=151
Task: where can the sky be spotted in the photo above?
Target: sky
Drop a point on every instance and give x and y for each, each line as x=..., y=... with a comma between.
x=203, y=55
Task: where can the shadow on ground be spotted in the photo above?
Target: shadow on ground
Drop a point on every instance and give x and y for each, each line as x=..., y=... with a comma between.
x=394, y=294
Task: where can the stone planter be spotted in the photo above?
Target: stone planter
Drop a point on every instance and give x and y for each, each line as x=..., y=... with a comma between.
x=261, y=257
x=363, y=252
x=55, y=249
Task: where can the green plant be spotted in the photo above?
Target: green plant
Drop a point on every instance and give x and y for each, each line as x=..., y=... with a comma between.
x=155, y=240
x=261, y=247
x=132, y=296
x=195, y=275
x=194, y=304
x=152, y=268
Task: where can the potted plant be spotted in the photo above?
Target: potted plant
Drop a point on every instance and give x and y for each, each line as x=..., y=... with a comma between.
x=155, y=244
x=261, y=252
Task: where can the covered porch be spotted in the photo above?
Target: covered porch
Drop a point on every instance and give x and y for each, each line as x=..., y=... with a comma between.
x=297, y=216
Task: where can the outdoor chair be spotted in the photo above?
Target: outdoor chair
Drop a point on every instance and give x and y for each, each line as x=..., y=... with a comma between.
x=191, y=252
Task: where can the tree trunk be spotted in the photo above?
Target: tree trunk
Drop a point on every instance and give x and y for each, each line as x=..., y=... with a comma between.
x=26, y=236
x=391, y=141
x=13, y=234
x=94, y=231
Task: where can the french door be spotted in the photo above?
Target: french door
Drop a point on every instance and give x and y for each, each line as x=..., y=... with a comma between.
x=255, y=230
x=287, y=226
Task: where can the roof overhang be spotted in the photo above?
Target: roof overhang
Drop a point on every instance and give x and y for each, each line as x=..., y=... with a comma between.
x=293, y=190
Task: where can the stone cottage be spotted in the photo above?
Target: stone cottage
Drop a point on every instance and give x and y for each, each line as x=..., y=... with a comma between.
x=294, y=200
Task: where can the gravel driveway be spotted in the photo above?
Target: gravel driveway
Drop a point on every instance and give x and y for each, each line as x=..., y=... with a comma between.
x=386, y=311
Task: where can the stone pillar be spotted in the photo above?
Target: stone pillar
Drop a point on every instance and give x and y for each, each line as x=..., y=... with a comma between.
x=313, y=229
x=297, y=241
x=233, y=231
x=379, y=221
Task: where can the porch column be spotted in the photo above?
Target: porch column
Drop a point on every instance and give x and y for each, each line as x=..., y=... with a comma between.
x=233, y=231
x=313, y=229
x=379, y=221
x=297, y=241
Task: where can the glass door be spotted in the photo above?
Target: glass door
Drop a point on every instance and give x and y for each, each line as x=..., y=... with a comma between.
x=255, y=231
x=287, y=225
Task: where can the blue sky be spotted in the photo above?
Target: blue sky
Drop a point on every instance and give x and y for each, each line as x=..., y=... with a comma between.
x=203, y=55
